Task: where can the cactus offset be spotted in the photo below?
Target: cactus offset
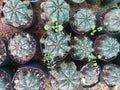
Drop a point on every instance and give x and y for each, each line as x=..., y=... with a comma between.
x=58, y=9
x=17, y=13
x=78, y=1
x=83, y=20
x=66, y=77
x=82, y=48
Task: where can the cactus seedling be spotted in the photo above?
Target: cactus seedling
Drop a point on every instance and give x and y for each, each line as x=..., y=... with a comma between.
x=22, y=47
x=82, y=48
x=77, y=1
x=17, y=13
x=111, y=74
x=83, y=19
x=5, y=80
x=29, y=78
x=107, y=47
x=66, y=77
x=89, y=75
x=54, y=26
x=55, y=44
x=56, y=8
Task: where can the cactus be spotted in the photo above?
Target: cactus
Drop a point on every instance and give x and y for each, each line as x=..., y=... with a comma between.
x=5, y=81
x=89, y=74
x=82, y=48
x=83, y=20
x=78, y=1
x=22, y=47
x=111, y=20
x=66, y=77
x=111, y=74
x=29, y=78
x=3, y=52
x=58, y=9
x=107, y=47
x=17, y=13
x=56, y=44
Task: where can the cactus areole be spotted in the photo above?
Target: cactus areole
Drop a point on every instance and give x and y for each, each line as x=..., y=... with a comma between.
x=22, y=47
x=29, y=78
x=17, y=13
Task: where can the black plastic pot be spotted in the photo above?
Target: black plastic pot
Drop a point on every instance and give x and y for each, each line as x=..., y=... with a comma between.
x=35, y=3
x=6, y=79
x=29, y=40
x=86, y=74
x=97, y=43
x=4, y=59
x=92, y=1
x=34, y=74
x=22, y=27
x=100, y=17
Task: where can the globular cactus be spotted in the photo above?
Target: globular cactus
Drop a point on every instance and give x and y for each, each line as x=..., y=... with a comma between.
x=22, y=47
x=5, y=80
x=111, y=74
x=107, y=47
x=56, y=44
x=17, y=13
x=56, y=9
x=111, y=20
x=82, y=48
x=83, y=20
x=29, y=78
x=89, y=74
x=66, y=77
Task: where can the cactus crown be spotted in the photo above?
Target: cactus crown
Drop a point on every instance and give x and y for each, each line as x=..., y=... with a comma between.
x=56, y=44
x=4, y=81
x=66, y=77
x=17, y=13
x=83, y=20
x=58, y=9
x=3, y=52
x=89, y=74
x=111, y=74
x=22, y=45
x=82, y=47
x=29, y=78
x=111, y=20
x=108, y=47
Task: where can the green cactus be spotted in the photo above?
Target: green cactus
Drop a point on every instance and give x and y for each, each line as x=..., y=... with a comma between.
x=83, y=20
x=58, y=9
x=66, y=77
x=89, y=74
x=56, y=44
x=5, y=82
x=82, y=48
x=78, y=1
x=22, y=47
x=17, y=13
x=111, y=20
x=111, y=74
x=3, y=52
x=29, y=78
x=108, y=47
